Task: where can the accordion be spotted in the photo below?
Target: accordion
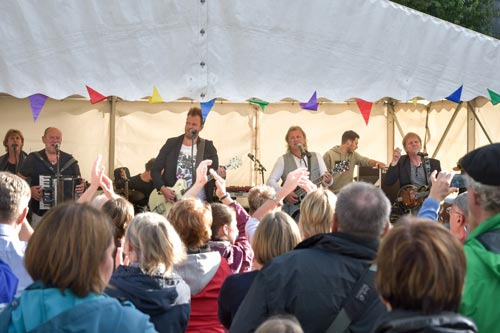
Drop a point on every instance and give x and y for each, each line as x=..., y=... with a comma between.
x=56, y=191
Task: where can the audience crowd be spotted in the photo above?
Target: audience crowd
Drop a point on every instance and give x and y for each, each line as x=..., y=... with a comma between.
x=92, y=266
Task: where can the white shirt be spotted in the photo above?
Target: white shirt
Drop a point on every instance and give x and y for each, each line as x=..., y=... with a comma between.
x=12, y=252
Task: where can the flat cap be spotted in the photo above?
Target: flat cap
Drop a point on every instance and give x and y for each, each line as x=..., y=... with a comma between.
x=483, y=164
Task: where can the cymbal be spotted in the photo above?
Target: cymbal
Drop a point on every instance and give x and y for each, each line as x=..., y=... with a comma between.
x=133, y=196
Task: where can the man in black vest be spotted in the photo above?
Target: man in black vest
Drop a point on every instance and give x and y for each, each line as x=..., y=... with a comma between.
x=49, y=162
x=297, y=156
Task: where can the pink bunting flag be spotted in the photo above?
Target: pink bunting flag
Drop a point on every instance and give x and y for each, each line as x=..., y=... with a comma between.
x=312, y=104
x=95, y=97
x=37, y=101
x=365, y=108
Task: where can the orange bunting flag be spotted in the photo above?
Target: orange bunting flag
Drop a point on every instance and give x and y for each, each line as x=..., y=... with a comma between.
x=156, y=97
x=95, y=97
x=365, y=108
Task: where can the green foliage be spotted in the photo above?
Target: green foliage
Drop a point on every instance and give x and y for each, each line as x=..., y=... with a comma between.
x=473, y=14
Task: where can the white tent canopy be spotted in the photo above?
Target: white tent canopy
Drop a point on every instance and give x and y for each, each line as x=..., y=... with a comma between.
x=240, y=49
x=235, y=50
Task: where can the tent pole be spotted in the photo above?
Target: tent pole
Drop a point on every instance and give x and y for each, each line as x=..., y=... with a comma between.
x=447, y=129
x=472, y=110
x=112, y=135
x=390, y=129
x=256, y=143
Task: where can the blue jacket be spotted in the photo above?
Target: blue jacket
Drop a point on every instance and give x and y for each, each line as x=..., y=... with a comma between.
x=41, y=309
x=166, y=301
x=8, y=283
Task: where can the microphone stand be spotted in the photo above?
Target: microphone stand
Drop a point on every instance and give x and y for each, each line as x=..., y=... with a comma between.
x=193, y=171
x=59, y=180
x=258, y=167
x=16, y=160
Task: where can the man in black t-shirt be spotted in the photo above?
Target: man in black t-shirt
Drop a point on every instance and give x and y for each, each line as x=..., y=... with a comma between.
x=141, y=183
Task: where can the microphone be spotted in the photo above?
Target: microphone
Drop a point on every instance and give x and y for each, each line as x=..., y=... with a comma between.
x=303, y=152
x=251, y=156
x=14, y=146
x=422, y=154
x=193, y=132
x=56, y=145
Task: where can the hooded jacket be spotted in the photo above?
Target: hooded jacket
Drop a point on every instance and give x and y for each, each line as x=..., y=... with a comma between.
x=41, y=309
x=165, y=300
x=204, y=273
x=482, y=278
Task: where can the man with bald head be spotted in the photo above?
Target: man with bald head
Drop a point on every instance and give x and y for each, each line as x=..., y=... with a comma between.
x=45, y=163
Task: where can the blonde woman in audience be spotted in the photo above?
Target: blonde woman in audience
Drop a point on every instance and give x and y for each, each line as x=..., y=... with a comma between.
x=70, y=259
x=317, y=210
x=204, y=269
x=153, y=247
x=276, y=234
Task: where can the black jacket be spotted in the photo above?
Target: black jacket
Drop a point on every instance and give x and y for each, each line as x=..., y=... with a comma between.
x=4, y=160
x=167, y=161
x=166, y=301
x=399, y=321
x=312, y=282
x=401, y=171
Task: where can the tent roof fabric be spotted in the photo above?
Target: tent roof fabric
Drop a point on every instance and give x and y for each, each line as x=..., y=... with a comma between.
x=237, y=50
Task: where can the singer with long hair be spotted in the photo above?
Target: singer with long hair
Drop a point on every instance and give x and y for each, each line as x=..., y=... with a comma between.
x=50, y=162
x=15, y=156
x=297, y=156
x=180, y=156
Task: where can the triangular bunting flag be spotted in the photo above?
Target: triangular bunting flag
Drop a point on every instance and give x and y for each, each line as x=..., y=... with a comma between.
x=495, y=98
x=155, y=98
x=365, y=107
x=206, y=107
x=414, y=101
x=456, y=95
x=261, y=103
x=95, y=97
x=312, y=104
x=37, y=101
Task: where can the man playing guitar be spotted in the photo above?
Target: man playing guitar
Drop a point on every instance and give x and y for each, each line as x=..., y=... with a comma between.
x=179, y=157
x=297, y=156
x=412, y=171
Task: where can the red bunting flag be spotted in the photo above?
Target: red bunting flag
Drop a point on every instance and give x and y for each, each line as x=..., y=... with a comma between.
x=95, y=97
x=365, y=108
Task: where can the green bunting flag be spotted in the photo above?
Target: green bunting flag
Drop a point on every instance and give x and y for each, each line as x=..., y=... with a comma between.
x=495, y=98
x=262, y=104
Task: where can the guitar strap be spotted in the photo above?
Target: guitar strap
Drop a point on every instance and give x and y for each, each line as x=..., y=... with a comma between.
x=309, y=164
x=427, y=168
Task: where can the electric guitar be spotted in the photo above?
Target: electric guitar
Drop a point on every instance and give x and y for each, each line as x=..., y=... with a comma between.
x=292, y=209
x=411, y=196
x=157, y=201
